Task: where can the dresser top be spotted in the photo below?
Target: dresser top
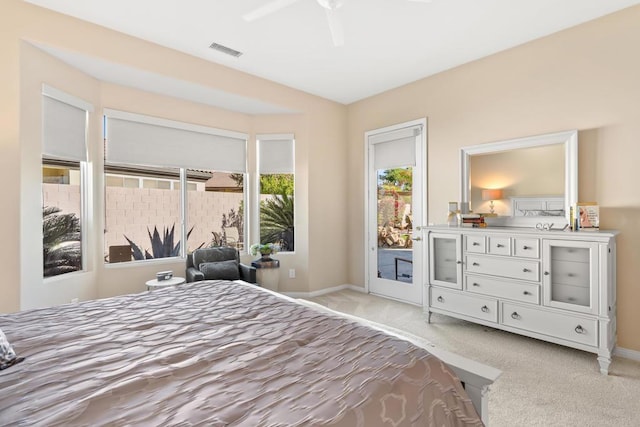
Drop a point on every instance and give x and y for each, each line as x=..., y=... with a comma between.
x=554, y=233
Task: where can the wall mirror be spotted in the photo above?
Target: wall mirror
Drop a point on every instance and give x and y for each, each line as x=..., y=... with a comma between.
x=524, y=181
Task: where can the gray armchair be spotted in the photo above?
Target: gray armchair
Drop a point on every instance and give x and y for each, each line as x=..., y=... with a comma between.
x=218, y=263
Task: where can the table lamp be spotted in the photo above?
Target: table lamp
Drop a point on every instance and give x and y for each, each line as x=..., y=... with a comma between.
x=491, y=195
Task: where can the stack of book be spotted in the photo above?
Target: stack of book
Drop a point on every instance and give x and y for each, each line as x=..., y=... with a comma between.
x=472, y=220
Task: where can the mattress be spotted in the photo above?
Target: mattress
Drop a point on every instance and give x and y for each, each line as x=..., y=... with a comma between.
x=218, y=353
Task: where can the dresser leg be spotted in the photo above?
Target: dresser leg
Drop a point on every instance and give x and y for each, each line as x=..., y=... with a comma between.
x=604, y=364
x=429, y=317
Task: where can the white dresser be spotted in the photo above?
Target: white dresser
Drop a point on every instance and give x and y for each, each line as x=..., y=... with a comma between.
x=557, y=286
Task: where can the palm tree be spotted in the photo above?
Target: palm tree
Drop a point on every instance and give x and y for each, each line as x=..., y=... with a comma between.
x=276, y=221
x=62, y=251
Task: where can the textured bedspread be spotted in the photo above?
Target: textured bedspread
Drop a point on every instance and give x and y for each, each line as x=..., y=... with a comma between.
x=218, y=354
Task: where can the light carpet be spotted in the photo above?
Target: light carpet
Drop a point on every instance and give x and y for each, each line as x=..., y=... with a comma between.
x=542, y=384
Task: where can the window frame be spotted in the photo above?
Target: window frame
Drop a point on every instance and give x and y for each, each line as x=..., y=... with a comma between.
x=84, y=169
x=274, y=137
x=183, y=172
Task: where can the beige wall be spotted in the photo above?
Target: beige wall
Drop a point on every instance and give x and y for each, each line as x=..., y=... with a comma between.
x=319, y=128
x=584, y=78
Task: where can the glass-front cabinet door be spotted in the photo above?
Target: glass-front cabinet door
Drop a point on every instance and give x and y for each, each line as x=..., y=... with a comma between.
x=445, y=264
x=570, y=278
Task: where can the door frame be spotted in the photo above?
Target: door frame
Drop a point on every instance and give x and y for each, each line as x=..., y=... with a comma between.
x=418, y=223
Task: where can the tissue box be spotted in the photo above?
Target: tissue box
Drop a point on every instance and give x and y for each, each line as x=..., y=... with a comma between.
x=164, y=275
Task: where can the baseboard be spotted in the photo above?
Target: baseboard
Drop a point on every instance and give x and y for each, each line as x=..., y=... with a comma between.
x=627, y=354
x=324, y=291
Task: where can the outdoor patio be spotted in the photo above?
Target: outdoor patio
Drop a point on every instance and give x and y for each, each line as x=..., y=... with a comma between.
x=389, y=258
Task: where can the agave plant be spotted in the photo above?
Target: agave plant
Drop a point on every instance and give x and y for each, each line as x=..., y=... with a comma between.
x=62, y=250
x=161, y=246
x=276, y=221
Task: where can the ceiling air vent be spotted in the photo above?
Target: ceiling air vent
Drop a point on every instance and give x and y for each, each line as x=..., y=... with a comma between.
x=225, y=49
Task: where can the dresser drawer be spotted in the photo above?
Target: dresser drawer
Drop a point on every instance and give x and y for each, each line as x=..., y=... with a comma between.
x=447, y=244
x=570, y=273
x=577, y=295
x=504, y=267
x=499, y=245
x=446, y=272
x=525, y=292
x=560, y=325
x=469, y=305
x=568, y=253
x=475, y=244
x=526, y=248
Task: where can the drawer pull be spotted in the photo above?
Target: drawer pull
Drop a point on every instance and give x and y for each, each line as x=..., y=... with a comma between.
x=571, y=275
x=526, y=270
x=526, y=248
x=527, y=293
x=485, y=309
x=476, y=284
x=458, y=262
x=475, y=264
x=579, y=329
x=515, y=315
x=440, y=299
x=546, y=273
x=476, y=244
x=500, y=245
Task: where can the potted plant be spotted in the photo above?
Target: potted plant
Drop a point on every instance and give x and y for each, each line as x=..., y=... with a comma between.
x=265, y=250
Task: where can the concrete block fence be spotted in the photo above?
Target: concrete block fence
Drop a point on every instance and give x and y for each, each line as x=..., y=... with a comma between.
x=129, y=211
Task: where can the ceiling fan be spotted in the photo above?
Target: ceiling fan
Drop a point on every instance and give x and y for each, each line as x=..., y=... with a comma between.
x=330, y=6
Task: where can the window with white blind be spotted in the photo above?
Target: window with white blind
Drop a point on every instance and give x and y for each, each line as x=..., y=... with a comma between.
x=276, y=171
x=169, y=182
x=64, y=174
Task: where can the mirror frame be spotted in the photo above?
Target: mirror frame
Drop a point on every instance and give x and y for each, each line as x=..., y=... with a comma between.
x=570, y=141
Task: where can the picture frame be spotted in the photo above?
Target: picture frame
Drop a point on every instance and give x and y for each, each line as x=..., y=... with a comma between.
x=587, y=215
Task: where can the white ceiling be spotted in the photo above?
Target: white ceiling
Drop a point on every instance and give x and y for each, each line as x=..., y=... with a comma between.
x=387, y=43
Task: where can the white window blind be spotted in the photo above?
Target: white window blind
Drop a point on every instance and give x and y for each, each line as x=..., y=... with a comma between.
x=64, y=125
x=144, y=140
x=396, y=148
x=275, y=154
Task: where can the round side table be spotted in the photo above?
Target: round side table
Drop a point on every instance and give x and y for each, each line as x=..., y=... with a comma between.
x=157, y=284
x=267, y=274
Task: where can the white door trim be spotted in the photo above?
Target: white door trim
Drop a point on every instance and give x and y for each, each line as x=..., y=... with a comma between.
x=418, y=186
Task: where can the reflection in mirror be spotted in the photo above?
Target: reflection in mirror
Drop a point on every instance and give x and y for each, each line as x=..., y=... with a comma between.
x=537, y=177
x=526, y=172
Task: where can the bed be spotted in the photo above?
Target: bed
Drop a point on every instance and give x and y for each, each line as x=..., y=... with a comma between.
x=532, y=211
x=538, y=206
x=221, y=353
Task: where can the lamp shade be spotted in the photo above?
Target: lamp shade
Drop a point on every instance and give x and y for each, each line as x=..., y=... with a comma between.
x=493, y=194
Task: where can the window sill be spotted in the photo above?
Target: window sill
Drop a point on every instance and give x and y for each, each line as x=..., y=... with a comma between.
x=67, y=276
x=146, y=262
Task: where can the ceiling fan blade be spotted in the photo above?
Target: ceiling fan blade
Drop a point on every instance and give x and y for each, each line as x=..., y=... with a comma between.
x=267, y=9
x=335, y=25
